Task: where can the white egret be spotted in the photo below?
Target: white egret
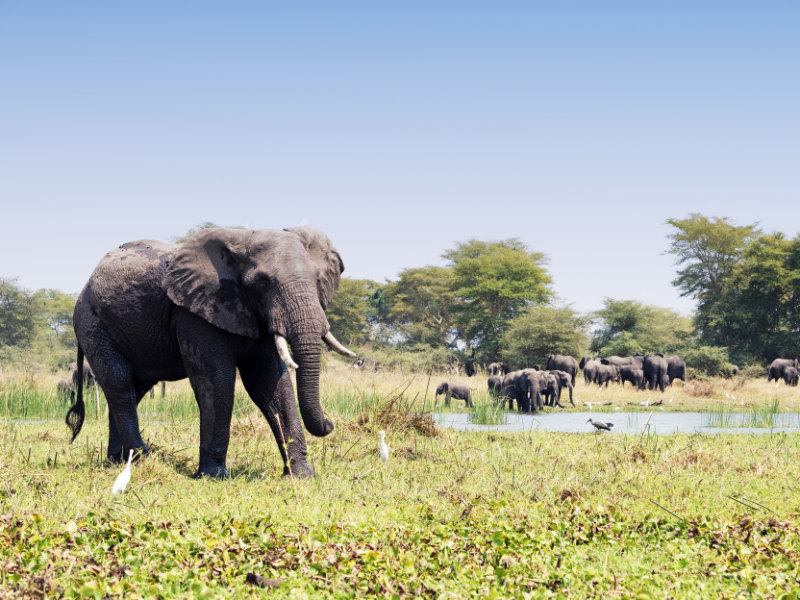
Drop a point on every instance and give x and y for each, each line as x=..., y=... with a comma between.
x=123, y=478
x=616, y=408
x=732, y=396
x=671, y=399
x=384, y=448
x=727, y=395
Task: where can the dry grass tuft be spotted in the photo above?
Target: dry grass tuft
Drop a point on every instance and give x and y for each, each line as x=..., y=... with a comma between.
x=699, y=388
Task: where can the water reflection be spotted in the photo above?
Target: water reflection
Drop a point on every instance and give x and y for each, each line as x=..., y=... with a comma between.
x=624, y=422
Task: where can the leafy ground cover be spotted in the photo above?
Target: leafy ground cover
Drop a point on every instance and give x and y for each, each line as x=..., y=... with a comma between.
x=457, y=515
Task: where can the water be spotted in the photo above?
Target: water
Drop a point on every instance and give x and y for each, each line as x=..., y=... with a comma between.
x=624, y=422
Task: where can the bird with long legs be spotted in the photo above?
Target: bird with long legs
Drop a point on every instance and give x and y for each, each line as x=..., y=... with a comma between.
x=600, y=426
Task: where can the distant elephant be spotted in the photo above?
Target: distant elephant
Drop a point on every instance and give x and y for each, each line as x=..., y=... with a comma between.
x=606, y=374
x=587, y=359
x=511, y=390
x=676, y=368
x=65, y=390
x=655, y=371
x=226, y=300
x=590, y=368
x=734, y=370
x=632, y=374
x=498, y=368
x=469, y=367
x=495, y=386
x=564, y=381
x=88, y=373
x=778, y=366
x=459, y=391
x=367, y=364
x=567, y=364
x=790, y=376
x=533, y=386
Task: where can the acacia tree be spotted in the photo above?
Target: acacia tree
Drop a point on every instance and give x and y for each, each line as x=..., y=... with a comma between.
x=709, y=249
x=494, y=282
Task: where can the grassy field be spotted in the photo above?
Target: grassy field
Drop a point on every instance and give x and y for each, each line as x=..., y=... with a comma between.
x=527, y=515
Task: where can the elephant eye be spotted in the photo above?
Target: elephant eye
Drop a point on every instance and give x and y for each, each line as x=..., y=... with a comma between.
x=262, y=282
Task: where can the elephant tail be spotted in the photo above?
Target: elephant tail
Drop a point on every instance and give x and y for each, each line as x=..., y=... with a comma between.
x=77, y=413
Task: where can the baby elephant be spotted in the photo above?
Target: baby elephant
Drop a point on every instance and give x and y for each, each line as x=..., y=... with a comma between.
x=459, y=391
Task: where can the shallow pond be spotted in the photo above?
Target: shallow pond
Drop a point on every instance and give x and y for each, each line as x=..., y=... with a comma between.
x=624, y=422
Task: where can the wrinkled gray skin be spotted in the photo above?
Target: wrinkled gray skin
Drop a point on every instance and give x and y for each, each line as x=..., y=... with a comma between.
x=676, y=368
x=587, y=359
x=367, y=364
x=88, y=374
x=778, y=366
x=203, y=309
x=637, y=360
x=498, y=368
x=590, y=368
x=511, y=390
x=65, y=390
x=564, y=380
x=734, y=369
x=459, y=391
x=606, y=374
x=538, y=388
x=790, y=376
x=567, y=364
x=655, y=371
x=495, y=385
x=632, y=374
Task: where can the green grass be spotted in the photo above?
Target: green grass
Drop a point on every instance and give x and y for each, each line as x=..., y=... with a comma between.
x=769, y=415
x=521, y=515
x=487, y=413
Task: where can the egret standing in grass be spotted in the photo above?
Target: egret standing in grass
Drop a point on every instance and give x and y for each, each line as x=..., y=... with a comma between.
x=598, y=426
x=384, y=448
x=123, y=478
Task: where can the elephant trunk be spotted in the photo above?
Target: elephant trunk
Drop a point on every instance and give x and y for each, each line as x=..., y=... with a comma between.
x=306, y=349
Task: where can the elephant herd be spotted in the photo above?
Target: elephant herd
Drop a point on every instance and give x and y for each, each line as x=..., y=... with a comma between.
x=651, y=371
x=784, y=368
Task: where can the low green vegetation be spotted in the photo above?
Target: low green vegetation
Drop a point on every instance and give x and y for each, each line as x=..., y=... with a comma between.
x=523, y=515
x=769, y=415
x=487, y=412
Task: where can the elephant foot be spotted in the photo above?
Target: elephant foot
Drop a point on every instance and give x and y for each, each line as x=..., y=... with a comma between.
x=300, y=470
x=115, y=456
x=218, y=472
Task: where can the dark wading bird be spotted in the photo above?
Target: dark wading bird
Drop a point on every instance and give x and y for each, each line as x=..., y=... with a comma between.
x=598, y=426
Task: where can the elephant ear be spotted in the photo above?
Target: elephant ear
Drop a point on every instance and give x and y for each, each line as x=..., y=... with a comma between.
x=325, y=258
x=204, y=277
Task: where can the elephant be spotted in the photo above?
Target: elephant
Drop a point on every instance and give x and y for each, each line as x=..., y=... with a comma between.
x=225, y=299
x=734, y=370
x=88, y=373
x=469, y=367
x=655, y=371
x=567, y=364
x=778, y=366
x=531, y=389
x=676, y=368
x=590, y=369
x=606, y=374
x=587, y=359
x=511, y=390
x=498, y=368
x=790, y=376
x=65, y=390
x=459, y=391
x=564, y=380
x=495, y=386
x=367, y=364
x=632, y=374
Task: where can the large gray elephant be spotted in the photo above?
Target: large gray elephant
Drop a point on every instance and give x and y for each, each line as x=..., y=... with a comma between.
x=790, y=376
x=655, y=371
x=676, y=368
x=632, y=374
x=226, y=299
x=779, y=365
x=369, y=364
x=590, y=368
x=511, y=390
x=564, y=380
x=606, y=374
x=495, y=386
x=567, y=364
x=587, y=359
x=459, y=391
x=534, y=386
x=498, y=368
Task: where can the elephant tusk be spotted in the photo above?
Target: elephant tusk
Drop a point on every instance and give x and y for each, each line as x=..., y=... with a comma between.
x=283, y=351
x=336, y=346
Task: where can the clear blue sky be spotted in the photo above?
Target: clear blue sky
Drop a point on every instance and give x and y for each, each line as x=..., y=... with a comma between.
x=397, y=128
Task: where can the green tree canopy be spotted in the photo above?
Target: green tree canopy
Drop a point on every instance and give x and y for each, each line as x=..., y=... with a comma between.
x=628, y=326
x=494, y=281
x=350, y=310
x=540, y=331
x=708, y=249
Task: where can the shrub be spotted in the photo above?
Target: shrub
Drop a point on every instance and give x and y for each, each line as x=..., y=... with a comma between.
x=707, y=360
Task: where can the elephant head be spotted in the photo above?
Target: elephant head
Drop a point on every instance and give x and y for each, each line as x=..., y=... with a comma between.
x=443, y=388
x=265, y=283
